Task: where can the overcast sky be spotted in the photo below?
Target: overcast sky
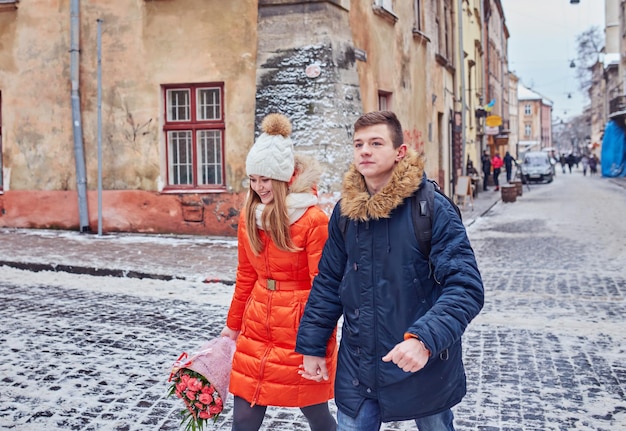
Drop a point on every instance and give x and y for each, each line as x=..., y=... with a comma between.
x=542, y=44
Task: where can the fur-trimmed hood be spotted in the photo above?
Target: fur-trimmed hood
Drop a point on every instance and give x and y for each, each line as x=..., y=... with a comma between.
x=356, y=202
x=308, y=173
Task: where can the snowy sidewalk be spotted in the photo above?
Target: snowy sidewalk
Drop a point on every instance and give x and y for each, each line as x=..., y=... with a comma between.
x=163, y=257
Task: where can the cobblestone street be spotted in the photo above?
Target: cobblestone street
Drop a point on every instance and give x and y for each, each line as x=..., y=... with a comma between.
x=548, y=351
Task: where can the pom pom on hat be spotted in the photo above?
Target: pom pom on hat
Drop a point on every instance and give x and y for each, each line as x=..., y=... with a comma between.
x=272, y=156
x=276, y=124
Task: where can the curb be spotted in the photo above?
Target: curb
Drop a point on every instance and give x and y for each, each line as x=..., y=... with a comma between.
x=472, y=221
x=105, y=272
x=85, y=270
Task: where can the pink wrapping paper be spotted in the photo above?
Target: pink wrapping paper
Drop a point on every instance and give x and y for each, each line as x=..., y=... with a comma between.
x=214, y=361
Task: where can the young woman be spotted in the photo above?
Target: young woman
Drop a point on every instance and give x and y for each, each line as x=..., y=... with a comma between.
x=281, y=235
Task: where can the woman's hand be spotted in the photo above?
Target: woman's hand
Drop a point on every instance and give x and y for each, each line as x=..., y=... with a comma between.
x=314, y=368
x=230, y=333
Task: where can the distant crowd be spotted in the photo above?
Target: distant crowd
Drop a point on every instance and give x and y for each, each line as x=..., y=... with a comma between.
x=589, y=162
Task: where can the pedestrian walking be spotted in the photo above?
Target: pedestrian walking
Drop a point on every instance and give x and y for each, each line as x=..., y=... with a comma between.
x=563, y=162
x=593, y=164
x=570, y=159
x=281, y=234
x=403, y=312
x=585, y=162
x=485, y=162
x=508, y=166
x=496, y=164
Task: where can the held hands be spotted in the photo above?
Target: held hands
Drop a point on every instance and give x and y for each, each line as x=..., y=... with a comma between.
x=230, y=333
x=411, y=355
x=313, y=368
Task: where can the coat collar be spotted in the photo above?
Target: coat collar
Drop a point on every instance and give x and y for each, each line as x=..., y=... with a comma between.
x=356, y=202
x=308, y=172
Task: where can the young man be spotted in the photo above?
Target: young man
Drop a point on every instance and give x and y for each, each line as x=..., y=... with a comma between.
x=508, y=166
x=404, y=313
x=485, y=162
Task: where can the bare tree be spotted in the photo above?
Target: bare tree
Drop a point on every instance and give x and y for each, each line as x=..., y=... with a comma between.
x=590, y=46
x=574, y=135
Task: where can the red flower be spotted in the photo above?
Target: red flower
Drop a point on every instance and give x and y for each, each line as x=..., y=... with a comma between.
x=205, y=398
x=215, y=409
x=202, y=401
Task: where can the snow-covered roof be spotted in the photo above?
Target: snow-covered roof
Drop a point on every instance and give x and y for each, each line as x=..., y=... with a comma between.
x=525, y=93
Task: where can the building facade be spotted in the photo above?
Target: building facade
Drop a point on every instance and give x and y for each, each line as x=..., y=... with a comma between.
x=471, y=86
x=609, y=83
x=535, y=121
x=137, y=116
x=513, y=115
x=496, y=37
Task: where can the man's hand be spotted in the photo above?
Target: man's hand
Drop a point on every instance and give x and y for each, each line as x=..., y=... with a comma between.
x=313, y=368
x=411, y=355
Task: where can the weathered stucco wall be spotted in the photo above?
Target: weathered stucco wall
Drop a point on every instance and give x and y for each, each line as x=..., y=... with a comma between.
x=260, y=51
x=145, y=44
x=322, y=108
x=127, y=211
x=397, y=63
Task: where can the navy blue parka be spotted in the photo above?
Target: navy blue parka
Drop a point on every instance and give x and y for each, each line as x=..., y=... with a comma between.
x=376, y=277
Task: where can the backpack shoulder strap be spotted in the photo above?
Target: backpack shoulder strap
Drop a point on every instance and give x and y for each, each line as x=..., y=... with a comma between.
x=423, y=202
x=343, y=222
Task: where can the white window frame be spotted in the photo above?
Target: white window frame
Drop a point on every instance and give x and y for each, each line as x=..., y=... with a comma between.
x=385, y=4
x=528, y=129
x=528, y=109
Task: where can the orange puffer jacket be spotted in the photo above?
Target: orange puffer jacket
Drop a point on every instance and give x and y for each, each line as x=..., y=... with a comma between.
x=265, y=364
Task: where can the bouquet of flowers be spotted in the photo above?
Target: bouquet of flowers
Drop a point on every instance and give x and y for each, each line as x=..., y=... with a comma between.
x=201, y=381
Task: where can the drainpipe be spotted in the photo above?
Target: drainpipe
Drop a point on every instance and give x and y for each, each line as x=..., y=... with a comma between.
x=79, y=153
x=485, y=16
x=485, y=66
x=462, y=61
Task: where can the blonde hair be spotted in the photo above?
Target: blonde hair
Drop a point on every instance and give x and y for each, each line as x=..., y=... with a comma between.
x=274, y=219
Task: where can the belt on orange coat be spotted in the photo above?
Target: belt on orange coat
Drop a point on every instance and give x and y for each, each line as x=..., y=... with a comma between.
x=270, y=284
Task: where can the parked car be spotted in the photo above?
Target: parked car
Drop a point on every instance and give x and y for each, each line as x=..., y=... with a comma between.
x=537, y=167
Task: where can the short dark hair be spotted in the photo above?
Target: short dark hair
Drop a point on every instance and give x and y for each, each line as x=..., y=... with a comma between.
x=382, y=117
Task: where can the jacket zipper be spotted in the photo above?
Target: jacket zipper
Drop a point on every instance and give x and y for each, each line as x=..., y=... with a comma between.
x=373, y=277
x=267, y=327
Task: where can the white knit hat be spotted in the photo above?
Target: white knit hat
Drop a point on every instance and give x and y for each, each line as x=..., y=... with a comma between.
x=271, y=156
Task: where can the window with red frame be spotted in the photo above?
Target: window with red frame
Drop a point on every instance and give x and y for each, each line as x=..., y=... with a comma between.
x=194, y=133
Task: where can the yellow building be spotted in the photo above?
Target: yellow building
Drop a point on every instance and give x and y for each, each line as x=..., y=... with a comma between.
x=496, y=37
x=471, y=85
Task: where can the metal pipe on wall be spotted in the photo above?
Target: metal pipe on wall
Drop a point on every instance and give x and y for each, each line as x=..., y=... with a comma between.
x=79, y=153
x=462, y=61
x=99, y=43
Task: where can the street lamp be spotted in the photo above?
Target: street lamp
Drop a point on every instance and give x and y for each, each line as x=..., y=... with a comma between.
x=574, y=1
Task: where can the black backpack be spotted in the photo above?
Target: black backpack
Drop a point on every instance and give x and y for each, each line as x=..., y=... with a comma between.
x=423, y=202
